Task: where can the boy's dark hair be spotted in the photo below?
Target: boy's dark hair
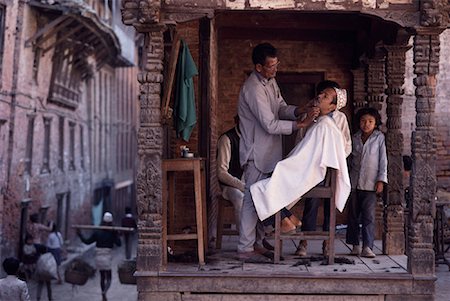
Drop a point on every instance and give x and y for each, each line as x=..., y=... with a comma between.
x=263, y=51
x=369, y=111
x=407, y=163
x=11, y=265
x=326, y=84
x=127, y=210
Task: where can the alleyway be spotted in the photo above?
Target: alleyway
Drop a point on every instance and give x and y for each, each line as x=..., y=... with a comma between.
x=91, y=290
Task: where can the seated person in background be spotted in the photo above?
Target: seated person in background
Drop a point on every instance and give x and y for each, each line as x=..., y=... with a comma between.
x=229, y=173
x=310, y=211
x=11, y=288
x=306, y=165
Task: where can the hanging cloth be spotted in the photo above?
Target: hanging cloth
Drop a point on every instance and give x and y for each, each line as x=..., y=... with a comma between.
x=184, y=108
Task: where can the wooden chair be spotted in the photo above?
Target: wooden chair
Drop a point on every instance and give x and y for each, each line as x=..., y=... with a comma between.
x=225, y=215
x=324, y=192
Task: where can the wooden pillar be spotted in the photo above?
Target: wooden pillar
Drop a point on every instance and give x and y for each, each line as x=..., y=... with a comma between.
x=376, y=80
x=394, y=236
x=433, y=21
x=359, y=88
x=145, y=17
x=423, y=176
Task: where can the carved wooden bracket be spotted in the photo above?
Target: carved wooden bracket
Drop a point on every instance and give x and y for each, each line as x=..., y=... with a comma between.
x=434, y=13
x=141, y=13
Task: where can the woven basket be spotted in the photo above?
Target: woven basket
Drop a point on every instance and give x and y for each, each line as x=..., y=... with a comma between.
x=126, y=276
x=75, y=277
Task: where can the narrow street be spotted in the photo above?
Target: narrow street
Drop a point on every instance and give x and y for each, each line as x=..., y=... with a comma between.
x=91, y=290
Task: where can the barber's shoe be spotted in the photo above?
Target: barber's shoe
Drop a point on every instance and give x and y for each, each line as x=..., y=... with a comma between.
x=301, y=251
x=287, y=226
x=295, y=221
x=325, y=250
x=367, y=252
x=356, y=250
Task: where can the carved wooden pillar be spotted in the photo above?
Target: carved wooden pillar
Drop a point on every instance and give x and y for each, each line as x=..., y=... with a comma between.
x=359, y=88
x=394, y=236
x=423, y=176
x=433, y=19
x=144, y=16
x=376, y=80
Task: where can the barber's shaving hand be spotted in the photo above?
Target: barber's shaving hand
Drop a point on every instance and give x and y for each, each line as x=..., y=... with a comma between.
x=312, y=114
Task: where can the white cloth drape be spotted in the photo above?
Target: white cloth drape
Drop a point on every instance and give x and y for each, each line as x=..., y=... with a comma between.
x=303, y=169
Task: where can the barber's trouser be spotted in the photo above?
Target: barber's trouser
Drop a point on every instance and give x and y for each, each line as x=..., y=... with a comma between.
x=236, y=197
x=249, y=223
x=362, y=205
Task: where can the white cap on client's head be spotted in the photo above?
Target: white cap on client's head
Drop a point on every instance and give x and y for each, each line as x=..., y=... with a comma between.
x=341, y=95
x=107, y=217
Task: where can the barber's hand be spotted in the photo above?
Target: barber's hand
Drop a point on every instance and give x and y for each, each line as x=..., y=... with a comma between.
x=312, y=114
x=379, y=187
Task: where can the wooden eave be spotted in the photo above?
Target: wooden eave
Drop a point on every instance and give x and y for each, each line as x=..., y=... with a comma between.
x=81, y=25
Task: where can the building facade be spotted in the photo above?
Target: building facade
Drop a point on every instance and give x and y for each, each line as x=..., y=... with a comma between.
x=386, y=53
x=67, y=115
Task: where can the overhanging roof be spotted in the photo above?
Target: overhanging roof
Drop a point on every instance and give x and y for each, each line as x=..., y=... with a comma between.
x=78, y=24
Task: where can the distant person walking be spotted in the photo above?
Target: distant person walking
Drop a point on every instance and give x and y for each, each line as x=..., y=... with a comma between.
x=55, y=244
x=36, y=229
x=105, y=241
x=128, y=221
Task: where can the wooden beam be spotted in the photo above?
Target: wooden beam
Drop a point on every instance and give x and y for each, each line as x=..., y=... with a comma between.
x=110, y=228
x=170, y=76
x=48, y=29
x=64, y=37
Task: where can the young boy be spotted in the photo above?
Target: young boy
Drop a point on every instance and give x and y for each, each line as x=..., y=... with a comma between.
x=368, y=173
x=11, y=288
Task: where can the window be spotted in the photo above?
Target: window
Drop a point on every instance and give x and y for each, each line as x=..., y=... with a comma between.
x=65, y=87
x=29, y=144
x=81, y=147
x=46, y=158
x=61, y=143
x=71, y=145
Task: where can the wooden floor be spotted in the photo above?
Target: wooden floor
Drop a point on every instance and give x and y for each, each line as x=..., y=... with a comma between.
x=224, y=261
x=295, y=278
